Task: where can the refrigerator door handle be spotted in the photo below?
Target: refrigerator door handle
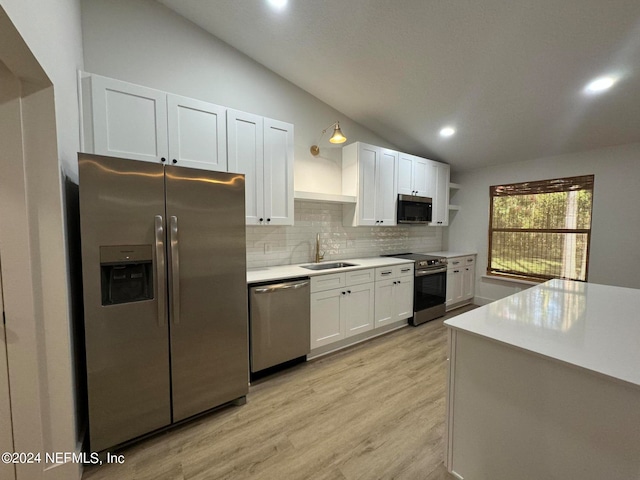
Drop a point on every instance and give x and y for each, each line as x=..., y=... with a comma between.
x=160, y=271
x=175, y=270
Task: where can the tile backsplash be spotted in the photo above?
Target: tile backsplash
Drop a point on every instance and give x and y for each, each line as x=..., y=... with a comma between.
x=270, y=245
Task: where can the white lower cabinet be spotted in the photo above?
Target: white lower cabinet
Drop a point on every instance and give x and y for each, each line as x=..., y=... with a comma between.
x=358, y=304
x=327, y=322
x=337, y=313
x=347, y=304
x=394, y=294
x=460, y=281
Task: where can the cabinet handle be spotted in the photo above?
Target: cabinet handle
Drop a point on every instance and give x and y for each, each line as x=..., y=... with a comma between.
x=395, y=283
x=163, y=159
x=405, y=270
x=385, y=273
x=455, y=263
x=399, y=281
x=349, y=292
x=381, y=221
x=261, y=220
x=344, y=293
x=174, y=161
x=456, y=271
x=268, y=220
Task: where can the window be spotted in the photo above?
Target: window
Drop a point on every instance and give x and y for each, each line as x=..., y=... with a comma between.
x=541, y=230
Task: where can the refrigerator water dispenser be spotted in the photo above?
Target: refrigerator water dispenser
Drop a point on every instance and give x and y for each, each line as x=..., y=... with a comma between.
x=126, y=274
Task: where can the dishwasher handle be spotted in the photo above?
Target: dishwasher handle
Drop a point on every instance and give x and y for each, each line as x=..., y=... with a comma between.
x=281, y=286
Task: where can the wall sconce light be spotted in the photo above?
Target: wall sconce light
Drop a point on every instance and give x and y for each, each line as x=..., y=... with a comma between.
x=337, y=137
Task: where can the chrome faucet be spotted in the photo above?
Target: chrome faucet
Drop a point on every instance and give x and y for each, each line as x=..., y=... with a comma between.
x=319, y=256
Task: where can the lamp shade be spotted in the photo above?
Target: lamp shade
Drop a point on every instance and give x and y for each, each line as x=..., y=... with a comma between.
x=337, y=136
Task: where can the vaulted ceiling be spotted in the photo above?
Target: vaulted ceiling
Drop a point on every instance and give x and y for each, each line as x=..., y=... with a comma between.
x=509, y=76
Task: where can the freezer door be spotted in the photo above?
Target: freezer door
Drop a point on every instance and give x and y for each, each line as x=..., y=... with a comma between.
x=124, y=281
x=207, y=289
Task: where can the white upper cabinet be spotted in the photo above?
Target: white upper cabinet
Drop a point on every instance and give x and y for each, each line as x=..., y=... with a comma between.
x=441, y=175
x=413, y=173
x=245, y=147
x=369, y=174
x=262, y=149
x=130, y=121
x=124, y=120
x=197, y=133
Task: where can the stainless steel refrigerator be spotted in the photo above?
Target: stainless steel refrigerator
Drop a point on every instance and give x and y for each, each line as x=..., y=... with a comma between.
x=165, y=295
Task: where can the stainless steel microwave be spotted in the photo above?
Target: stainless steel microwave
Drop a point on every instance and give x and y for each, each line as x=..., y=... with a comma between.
x=414, y=209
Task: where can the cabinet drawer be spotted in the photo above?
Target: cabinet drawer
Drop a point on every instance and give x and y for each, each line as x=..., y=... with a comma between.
x=320, y=283
x=360, y=276
x=384, y=273
x=456, y=262
x=395, y=271
x=405, y=270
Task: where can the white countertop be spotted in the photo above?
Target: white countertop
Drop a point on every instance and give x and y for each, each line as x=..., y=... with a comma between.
x=596, y=327
x=279, y=272
x=448, y=254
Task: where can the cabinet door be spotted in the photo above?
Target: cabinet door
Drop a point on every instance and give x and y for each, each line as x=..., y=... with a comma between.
x=384, y=304
x=454, y=279
x=245, y=147
x=387, y=187
x=326, y=320
x=278, y=172
x=405, y=174
x=451, y=280
x=197, y=134
x=367, y=164
x=468, y=280
x=420, y=174
x=441, y=197
x=403, y=298
x=129, y=121
x=431, y=169
x=358, y=308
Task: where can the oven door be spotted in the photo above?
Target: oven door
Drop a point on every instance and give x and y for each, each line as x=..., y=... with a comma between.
x=430, y=294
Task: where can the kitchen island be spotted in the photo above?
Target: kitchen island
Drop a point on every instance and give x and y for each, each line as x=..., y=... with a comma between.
x=546, y=384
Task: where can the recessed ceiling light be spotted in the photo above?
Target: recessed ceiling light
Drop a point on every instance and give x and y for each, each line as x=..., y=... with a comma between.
x=447, y=131
x=600, y=84
x=277, y=4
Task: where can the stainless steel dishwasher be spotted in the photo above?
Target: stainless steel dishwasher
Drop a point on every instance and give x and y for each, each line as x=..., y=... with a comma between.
x=279, y=322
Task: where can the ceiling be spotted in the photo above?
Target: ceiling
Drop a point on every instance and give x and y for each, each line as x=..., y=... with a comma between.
x=508, y=75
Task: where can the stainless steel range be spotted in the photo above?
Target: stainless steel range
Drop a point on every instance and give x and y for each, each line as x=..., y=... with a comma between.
x=430, y=286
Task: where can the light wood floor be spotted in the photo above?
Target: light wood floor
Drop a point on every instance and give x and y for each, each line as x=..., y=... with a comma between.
x=373, y=411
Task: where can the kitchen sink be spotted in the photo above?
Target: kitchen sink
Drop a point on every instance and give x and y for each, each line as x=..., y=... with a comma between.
x=327, y=266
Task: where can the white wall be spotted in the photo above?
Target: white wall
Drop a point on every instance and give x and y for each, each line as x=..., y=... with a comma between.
x=614, y=256
x=143, y=42
x=52, y=31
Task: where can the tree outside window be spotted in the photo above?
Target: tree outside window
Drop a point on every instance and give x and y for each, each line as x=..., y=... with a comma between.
x=541, y=230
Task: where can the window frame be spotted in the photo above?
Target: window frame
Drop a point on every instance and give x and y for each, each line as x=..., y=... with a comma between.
x=564, y=184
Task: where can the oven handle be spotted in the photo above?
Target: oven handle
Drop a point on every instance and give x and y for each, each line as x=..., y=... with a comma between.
x=422, y=273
